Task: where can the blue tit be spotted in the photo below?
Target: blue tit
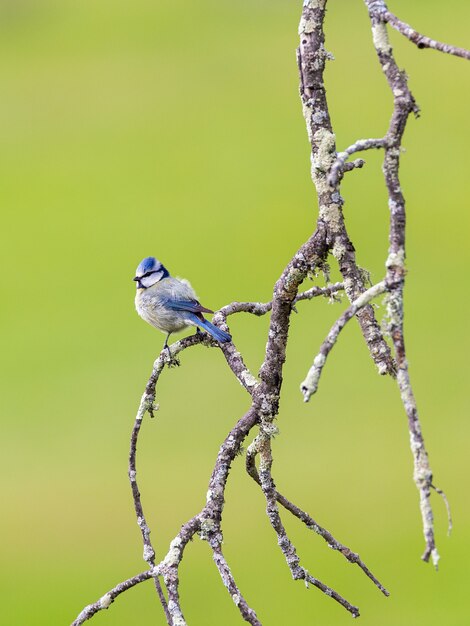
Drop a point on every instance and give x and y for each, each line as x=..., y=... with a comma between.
x=170, y=304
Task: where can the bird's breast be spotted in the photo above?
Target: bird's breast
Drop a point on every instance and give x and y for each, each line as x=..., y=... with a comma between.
x=151, y=308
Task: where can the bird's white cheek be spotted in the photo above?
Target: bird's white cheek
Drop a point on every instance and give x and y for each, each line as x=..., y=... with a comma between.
x=148, y=281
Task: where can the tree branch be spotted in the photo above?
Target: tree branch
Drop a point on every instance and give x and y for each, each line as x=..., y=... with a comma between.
x=310, y=385
x=105, y=601
x=259, y=309
x=312, y=56
x=421, y=40
x=309, y=522
x=287, y=547
x=340, y=166
x=227, y=578
x=403, y=105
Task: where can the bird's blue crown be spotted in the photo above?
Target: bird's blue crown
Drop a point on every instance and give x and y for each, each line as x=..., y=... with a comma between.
x=151, y=264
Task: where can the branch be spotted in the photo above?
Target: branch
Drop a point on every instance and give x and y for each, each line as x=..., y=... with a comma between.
x=447, y=505
x=309, y=522
x=169, y=567
x=421, y=40
x=287, y=547
x=310, y=385
x=404, y=105
x=340, y=166
x=259, y=309
x=147, y=403
x=105, y=601
x=227, y=578
x=311, y=57
x=313, y=292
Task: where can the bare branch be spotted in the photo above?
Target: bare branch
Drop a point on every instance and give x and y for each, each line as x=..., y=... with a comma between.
x=313, y=292
x=340, y=166
x=227, y=578
x=310, y=385
x=288, y=549
x=259, y=309
x=105, y=601
x=170, y=565
x=421, y=40
x=404, y=105
x=312, y=56
x=309, y=522
x=147, y=403
x=447, y=505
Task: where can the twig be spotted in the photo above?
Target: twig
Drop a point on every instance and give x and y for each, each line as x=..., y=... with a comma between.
x=310, y=385
x=169, y=568
x=421, y=40
x=287, y=547
x=226, y=575
x=147, y=403
x=313, y=292
x=339, y=166
x=105, y=601
x=309, y=522
x=261, y=308
x=447, y=505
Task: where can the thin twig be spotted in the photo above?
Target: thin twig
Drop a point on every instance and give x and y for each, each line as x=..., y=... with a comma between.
x=309, y=522
x=339, y=166
x=310, y=385
x=421, y=40
x=228, y=580
x=105, y=601
x=287, y=547
x=313, y=292
x=261, y=308
x=446, y=502
x=147, y=403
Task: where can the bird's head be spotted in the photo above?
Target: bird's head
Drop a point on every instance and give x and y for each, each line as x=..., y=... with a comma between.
x=149, y=272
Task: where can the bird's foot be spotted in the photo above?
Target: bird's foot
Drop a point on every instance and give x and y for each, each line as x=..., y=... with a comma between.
x=204, y=337
x=152, y=408
x=171, y=360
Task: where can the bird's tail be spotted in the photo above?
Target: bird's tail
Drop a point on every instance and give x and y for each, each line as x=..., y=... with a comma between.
x=217, y=333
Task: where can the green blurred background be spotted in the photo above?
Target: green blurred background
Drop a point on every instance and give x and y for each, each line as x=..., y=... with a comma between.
x=135, y=128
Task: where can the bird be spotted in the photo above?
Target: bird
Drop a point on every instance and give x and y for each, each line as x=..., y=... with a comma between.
x=170, y=304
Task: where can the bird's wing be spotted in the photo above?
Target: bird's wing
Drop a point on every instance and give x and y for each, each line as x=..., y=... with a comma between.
x=191, y=306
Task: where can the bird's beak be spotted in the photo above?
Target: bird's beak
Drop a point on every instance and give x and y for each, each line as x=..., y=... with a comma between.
x=136, y=278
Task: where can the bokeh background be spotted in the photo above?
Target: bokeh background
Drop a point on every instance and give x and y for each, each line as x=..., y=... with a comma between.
x=135, y=128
